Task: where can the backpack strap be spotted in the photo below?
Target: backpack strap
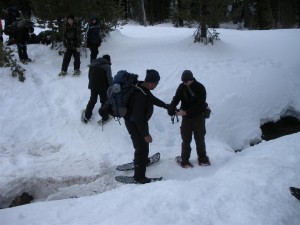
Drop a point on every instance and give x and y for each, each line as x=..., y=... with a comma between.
x=139, y=88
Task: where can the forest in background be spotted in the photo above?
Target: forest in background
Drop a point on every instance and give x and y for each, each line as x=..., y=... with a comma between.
x=203, y=14
x=248, y=14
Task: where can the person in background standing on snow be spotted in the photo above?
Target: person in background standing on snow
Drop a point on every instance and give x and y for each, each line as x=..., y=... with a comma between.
x=100, y=78
x=10, y=15
x=192, y=95
x=72, y=43
x=93, y=38
x=140, y=109
x=21, y=36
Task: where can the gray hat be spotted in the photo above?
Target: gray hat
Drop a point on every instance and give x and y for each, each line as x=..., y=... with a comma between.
x=152, y=76
x=187, y=75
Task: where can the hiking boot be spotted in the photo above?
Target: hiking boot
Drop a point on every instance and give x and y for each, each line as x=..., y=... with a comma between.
x=85, y=120
x=76, y=73
x=62, y=73
x=28, y=60
x=143, y=180
x=103, y=121
x=186, y=164
x=23, y=61
x=204, y=161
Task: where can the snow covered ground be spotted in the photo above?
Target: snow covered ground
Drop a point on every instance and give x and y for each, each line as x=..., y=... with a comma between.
x=251, y=77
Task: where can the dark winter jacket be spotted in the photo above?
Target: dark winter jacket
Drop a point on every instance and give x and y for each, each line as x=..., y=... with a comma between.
x=11, y=14
x=140, y=108
x=72, y=36
x=93, y=35
x=100, y=77
x=193, y=101
x=21, y=35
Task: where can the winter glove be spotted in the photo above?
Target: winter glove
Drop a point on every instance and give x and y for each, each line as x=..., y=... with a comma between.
x=64, y=49
x=78, y=49
x=167, y=106
x=207, y=112
x=171, y=111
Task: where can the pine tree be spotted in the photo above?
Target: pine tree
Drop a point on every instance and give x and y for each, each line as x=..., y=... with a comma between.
x=143, y=13
x=157, y=11
x=264, y=14
x=6, y=60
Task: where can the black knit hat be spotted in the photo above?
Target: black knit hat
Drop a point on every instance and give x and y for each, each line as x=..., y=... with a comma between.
x=107, y=57
x=152, y=76
x=187, y=75
x=94, y=18
x=70, y=17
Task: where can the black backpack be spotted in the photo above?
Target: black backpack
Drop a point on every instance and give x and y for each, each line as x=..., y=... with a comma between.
x=119, y=93
x=20, y=24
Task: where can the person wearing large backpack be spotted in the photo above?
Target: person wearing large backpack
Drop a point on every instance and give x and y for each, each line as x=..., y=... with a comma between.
x=100, y=78
x=93, y=38
x=72, y=43
x=21, y=32
x=140, y=109
x=192, y=96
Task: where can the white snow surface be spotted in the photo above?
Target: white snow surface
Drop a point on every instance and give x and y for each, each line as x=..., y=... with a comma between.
x=251, y=77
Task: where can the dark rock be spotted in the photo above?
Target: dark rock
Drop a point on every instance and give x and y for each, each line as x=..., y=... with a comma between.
x=23, y=199
x=285, y=126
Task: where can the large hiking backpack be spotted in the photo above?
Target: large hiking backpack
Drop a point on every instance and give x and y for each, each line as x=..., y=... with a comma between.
x=20, y=24
x=119, y=93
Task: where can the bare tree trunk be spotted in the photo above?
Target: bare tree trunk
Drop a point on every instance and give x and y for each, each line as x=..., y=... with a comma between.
x=203, y=20
x=143, y=13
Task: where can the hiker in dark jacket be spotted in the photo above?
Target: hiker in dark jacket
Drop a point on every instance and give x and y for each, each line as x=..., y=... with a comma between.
x=93, y=38
x=10, y=15
x=140, y=110
x=21, y=37
x=1, y=30
x=100, y=78
x=72, y=43
x=192, y=96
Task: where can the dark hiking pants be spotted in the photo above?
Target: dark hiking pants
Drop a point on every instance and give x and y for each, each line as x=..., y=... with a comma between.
x=22, y=51
x=141, y=150
x=190, y=126
x=94, y=51
x=67, y=58
x=93, y=100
